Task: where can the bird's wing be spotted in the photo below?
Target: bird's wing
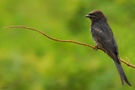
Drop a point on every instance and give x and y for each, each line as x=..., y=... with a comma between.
x=104, y=36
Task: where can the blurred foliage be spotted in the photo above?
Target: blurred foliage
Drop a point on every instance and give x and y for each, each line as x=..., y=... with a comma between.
x=29, y=61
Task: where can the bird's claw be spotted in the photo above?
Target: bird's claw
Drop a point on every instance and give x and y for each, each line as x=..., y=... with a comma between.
x=96, y=48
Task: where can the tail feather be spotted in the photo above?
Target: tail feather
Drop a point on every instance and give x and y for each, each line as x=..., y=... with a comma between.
x=122, y=74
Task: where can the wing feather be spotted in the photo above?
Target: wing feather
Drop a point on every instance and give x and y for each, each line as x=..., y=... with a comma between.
x=104, y=38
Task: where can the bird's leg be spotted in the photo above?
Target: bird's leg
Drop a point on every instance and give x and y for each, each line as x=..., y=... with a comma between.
x=96, y=48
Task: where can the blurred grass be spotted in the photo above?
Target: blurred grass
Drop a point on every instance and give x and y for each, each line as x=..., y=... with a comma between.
x=29, y=61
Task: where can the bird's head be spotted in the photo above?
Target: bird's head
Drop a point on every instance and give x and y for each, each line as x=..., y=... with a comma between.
x=96, y=15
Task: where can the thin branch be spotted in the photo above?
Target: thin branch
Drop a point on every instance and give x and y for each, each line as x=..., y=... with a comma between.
x=69, y=41
x=128, y=63
x=57, y=40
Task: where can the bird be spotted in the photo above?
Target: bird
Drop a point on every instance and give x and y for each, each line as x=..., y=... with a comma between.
x=104, y=39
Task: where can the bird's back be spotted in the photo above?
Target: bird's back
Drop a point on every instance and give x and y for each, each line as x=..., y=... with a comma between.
x=103, y=36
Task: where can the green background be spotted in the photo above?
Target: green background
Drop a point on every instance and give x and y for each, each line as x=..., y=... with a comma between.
x=30, y=61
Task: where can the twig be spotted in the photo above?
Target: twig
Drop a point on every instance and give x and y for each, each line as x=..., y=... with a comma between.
x=128, y=63
x=69, y=41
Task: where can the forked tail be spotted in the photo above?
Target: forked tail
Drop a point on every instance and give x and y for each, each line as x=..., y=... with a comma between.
x=122, y=74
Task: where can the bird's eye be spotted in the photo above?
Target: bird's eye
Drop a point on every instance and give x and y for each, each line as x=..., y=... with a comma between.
x=96, y=13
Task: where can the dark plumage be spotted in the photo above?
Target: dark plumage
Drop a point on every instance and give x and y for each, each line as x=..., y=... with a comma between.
x=103, y=36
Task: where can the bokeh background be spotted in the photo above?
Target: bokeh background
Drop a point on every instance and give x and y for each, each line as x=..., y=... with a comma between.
x=30, y=61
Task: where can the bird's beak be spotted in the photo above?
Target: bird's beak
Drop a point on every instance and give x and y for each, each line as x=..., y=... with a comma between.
x=87, y=16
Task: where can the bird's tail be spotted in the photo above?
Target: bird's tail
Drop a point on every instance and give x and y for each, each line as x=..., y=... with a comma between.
x=122, y=74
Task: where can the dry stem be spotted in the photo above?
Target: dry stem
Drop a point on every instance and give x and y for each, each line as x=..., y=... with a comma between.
x=70, y=41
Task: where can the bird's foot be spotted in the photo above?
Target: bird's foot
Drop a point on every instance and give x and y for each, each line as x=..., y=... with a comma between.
x=95, y=48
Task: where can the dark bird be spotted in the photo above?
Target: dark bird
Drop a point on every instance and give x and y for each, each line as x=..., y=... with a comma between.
x=104, y=39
